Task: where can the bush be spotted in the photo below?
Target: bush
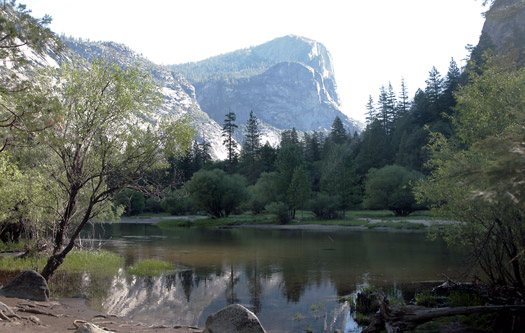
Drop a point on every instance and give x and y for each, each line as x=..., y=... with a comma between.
x=391, y=188
x=280, y=209
x=325, y=206
x=216, y=192
x=178, y=203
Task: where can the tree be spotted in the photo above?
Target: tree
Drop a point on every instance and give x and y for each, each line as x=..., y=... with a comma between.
x=338, y=132
x=250, y=150
x=477, y=177
x=102, y=143
x=403, y=105
x=228, y=129
x=338, y=177
x=371, y=112
x=299, y=190
x=391, y=188
x=217, y=192
x=19, y=30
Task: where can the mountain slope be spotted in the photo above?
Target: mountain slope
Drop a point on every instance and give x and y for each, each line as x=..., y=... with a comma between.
x=179, y=94
x=288, y=82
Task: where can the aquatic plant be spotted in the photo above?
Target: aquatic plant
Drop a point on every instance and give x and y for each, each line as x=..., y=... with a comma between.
x=150, y=267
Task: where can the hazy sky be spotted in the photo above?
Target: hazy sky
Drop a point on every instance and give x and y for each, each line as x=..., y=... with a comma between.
x=371, y=42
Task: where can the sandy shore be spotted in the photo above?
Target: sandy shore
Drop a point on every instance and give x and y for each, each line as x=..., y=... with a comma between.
x=61, y=315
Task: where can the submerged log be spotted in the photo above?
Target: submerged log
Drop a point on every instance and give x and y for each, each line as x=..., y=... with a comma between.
x=405, y=318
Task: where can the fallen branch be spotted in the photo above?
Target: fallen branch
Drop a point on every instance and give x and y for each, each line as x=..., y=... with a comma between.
x=404, y=318
x=36, y=311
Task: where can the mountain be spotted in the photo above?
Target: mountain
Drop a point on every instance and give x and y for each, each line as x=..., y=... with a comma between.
x=504, y=28
x=179, y=94
x=288, y=82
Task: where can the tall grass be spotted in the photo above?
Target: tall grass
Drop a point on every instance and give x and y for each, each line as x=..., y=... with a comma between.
x=150, y=267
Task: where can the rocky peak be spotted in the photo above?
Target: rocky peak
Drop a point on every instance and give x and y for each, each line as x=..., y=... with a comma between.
x=288, y=82
x=505, y=25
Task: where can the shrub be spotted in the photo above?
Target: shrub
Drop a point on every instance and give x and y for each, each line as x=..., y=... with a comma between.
x=280, y=209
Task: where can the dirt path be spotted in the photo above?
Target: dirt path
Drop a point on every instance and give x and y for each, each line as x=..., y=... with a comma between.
x=64, y=314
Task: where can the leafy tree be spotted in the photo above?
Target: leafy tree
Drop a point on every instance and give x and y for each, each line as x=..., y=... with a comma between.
x=217, y=192
x=338, y=177
x=18, y=30
x=477, y=179
x=299, y=190
x=228, y=129
x=265, y=190
x=102, y=143
x=391, y=188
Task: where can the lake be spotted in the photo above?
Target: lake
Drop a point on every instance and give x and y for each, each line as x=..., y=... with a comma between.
x=292, y=279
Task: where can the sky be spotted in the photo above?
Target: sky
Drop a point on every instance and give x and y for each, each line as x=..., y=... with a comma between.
x=372, y=42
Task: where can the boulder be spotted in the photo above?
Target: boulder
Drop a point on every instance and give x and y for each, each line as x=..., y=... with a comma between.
x=89, y=328
x=232, y=319
x=29, y=285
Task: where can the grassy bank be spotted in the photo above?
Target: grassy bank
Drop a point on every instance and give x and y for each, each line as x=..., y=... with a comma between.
x=362, y=218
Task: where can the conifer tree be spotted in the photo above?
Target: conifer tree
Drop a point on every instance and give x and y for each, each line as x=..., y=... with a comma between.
x=371, y=113
x=338, y=133
x=228, y=129
x=403, y=104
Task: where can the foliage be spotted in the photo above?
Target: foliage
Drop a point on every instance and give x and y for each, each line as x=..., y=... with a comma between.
x=298, y=191
x=150, y=267
x=478, y=178
x=19, y=30
x=216, y=192
x=280, y=209
x=228, y=129
x=78, y=261
x=325, y=206
x=102, y=143
x=391, y=188
x=178, y=203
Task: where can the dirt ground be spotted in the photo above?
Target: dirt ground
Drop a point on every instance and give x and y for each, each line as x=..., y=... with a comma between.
x=66, y=314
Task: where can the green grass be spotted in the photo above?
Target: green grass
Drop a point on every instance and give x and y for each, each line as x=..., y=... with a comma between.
x=231, y=220
x=148, y=215
x=14, y=247
x=355, y=218
x=396, y=225
x=77, y=261
x=348, y=223
x=150, y=267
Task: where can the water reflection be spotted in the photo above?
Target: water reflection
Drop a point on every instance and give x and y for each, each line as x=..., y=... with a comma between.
x=290, y=278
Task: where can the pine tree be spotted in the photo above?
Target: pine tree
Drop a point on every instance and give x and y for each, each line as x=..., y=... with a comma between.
x=253, y=135
x=338, y=133
x=228, y=129
x=371, y=112
x=403, y=104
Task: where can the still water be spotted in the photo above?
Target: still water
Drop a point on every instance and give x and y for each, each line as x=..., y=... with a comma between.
x=292, y=279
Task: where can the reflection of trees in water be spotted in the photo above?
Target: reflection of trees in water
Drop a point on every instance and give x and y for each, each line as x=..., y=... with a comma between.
x=295, y=280
x=186, y=281
x=231, y=296
x=253, y=277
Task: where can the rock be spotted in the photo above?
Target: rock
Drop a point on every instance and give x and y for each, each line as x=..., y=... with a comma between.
x=29, y=285
x=89, y=328
x=233, y=318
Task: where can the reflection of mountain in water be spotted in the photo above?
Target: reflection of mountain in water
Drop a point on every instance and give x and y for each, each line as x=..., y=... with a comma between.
x=188, y=298
x=274, y=273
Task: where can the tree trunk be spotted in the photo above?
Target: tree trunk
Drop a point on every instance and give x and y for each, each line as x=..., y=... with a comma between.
x=406, y=318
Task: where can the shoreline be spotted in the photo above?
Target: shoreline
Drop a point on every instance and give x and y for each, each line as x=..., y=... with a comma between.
x=64, y=314
x=309, y=226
